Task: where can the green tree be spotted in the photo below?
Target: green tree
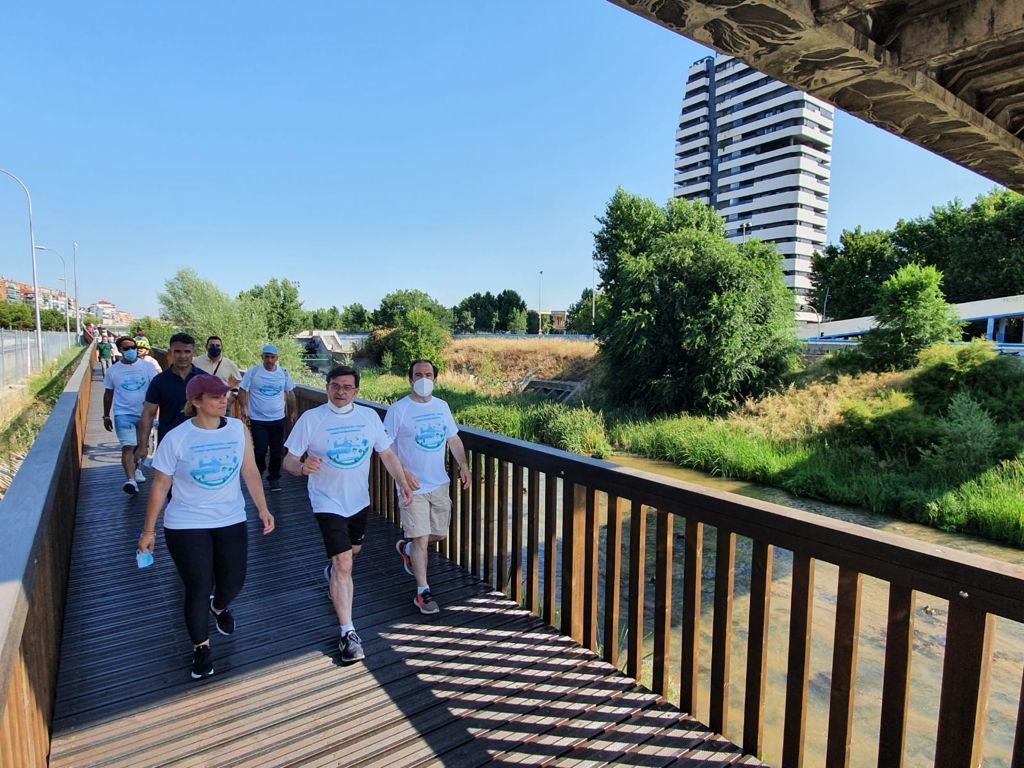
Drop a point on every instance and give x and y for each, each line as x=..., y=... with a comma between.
x=482, y=306
x=911, y=314
x=697, y=322
x=50, y=320
x=323, y=320
x=157, y=331
x=355, y=319
x=397, y=304
x=517, y=321
x=19, y=317
x=282, y=307
x=200, y=308
x=464, y=321
x=849, y=274
x=579, y=318
x=532, y=321
x=506, y=303
x=420, y=336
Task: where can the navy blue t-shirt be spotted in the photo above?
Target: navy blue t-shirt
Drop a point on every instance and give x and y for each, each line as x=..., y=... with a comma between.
x=167, y=391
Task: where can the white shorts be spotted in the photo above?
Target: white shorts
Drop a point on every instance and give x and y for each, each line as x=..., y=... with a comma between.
x=430, y=514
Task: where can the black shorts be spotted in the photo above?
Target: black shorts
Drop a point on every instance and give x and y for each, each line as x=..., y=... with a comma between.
x=339, y=533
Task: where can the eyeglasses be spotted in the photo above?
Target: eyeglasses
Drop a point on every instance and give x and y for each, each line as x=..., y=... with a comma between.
x=215, y=348
x=342, y=388
x=125, y=349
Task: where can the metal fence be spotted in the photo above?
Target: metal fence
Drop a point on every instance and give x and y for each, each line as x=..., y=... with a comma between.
x=19, y=356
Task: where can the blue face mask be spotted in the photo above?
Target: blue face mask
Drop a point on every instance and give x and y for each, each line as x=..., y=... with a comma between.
x=213, y=351
x=131, y=355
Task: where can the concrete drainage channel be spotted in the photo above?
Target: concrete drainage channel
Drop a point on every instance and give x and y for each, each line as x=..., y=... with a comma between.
x=553, y=390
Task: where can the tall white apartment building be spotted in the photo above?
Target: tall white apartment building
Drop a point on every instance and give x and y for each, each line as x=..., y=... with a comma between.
x=758, y=151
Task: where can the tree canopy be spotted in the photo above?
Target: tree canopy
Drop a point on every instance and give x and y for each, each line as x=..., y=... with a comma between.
x=282, y=307
x=694, y=322
x=979, y=249
x=911, y=314
x=399, y=303
x=488, y=313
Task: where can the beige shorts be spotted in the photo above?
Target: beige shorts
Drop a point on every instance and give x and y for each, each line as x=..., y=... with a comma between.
x=429, y=514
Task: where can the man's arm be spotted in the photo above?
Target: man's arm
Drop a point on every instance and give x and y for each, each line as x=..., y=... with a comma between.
x=243, y=404
x=290, y=406
x=108, y=400
x=397, y=471
x=142, y=434
x=459, y=452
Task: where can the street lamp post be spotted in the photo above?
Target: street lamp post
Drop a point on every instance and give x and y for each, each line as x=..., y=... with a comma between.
x=540, y=317
x=35, y=279
x=67, y=303
x=78, y=307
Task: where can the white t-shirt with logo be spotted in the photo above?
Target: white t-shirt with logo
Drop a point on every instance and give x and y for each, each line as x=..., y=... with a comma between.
x=343, y=443
x=129, y=383
x=420, y=432
x=266, y=392
x=206, y=466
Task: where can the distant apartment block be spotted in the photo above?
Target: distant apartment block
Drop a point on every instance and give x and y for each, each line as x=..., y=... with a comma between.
x=15, y=292
x=759, y=152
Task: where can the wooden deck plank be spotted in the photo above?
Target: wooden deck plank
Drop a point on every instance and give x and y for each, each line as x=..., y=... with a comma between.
x=483, y=681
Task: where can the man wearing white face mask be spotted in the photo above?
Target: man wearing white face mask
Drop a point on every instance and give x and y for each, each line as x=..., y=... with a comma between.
x=421, y=426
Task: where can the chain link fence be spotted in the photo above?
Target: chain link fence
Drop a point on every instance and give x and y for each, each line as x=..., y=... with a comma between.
x=19, y=356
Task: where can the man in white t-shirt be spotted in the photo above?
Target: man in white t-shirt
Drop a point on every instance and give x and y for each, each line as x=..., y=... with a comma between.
x=421, y=426
x=125, y=384
x=268, y=404
x=337, y=439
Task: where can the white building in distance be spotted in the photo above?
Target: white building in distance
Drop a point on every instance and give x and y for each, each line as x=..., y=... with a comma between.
x=759, y=152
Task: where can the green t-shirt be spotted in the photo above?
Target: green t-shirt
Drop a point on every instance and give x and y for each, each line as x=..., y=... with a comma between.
x=105, y=349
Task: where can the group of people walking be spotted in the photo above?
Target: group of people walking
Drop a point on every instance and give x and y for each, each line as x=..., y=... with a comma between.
x=203, y=454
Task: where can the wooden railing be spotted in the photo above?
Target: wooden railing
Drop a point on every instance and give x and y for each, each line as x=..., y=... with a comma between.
x=566, y=537
x=37, y=519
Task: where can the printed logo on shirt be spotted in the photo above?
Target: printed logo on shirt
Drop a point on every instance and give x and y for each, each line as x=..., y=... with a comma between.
x=348, y=448
x=214, y=464
x=431, y=432
x=134, y=384
x=270, y=390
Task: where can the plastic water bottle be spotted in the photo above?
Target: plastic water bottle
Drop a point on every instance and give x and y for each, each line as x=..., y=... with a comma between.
x=144, y=559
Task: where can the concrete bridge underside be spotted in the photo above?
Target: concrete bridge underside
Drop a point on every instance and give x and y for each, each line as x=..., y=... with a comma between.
x=944, y=74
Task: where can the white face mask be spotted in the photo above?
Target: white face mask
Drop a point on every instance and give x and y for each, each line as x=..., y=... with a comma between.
x=423, y=387
x=341, y=410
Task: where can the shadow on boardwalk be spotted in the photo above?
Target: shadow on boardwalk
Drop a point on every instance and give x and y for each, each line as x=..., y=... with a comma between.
x=481, y=682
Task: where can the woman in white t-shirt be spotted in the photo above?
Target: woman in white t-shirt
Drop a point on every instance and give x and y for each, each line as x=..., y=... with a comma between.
x=204, y=524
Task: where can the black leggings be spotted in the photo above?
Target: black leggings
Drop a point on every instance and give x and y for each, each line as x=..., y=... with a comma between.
x=205, y=556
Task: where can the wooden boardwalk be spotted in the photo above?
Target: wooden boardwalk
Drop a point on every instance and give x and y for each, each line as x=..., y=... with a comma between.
x=484, y=681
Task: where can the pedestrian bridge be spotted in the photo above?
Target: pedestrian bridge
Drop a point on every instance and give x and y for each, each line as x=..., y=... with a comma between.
x=560, y=588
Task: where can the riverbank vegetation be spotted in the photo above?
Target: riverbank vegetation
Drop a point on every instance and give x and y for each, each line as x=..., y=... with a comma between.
x=41, y=392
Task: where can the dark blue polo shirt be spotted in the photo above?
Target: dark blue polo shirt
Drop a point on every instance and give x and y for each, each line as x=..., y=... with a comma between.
x=167, y=391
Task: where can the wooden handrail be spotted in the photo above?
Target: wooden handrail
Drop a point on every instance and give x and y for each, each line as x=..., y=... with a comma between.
x=38, y=517
x=562, y=530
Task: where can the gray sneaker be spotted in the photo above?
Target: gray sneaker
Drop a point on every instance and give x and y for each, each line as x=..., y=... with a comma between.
x=426, y=603
x=351, y=647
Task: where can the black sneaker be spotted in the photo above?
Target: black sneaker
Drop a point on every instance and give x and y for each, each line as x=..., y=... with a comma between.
x=225, y=621
x=202, y=665
x=351, y=647
x=275, y=485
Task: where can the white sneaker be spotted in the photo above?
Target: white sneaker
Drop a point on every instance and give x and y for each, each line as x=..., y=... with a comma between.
x=139, y=477
x=130, y=487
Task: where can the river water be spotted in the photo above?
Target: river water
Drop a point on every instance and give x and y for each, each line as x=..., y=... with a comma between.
x=929, y=636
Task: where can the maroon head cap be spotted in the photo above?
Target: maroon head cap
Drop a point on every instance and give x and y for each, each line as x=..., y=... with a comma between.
x=205, y=384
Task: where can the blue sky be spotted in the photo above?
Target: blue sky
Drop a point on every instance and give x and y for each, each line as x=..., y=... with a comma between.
x=361, y=148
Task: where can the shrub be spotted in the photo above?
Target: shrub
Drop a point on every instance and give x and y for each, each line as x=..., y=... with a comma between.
x=967, y=443
x=420, y=336
x=579, y=430
x=894, y=429
x=995, y=382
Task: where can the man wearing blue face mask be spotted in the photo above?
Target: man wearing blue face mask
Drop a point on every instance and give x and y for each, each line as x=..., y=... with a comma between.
x=125, y=384
x=422, y=426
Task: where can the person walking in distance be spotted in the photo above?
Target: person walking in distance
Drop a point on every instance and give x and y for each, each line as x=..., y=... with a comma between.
x=337, y=439
x=125, y=384
x=204, y=524
x=421, y=426
x=105, y=353
x=268, y=403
